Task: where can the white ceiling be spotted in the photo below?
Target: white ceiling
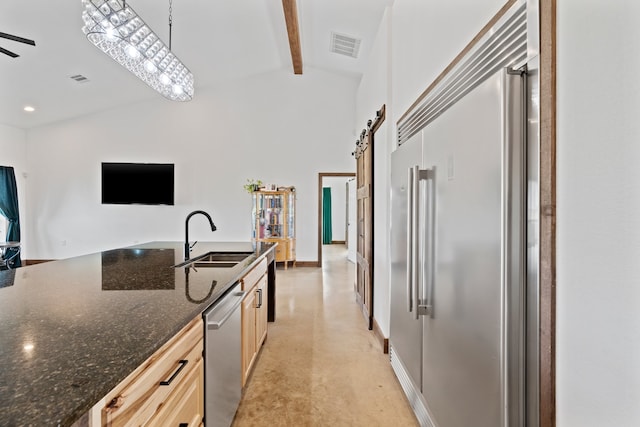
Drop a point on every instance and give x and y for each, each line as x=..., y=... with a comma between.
x=217, y=39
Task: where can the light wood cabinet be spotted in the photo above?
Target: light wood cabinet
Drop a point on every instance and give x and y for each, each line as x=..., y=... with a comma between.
x=261, y=311
x=249, y=349
x=169, y=385
x=274, y=220
x=185, y=408
x=254, y=317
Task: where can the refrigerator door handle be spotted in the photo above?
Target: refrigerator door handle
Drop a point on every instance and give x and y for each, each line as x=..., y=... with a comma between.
x=415, y=252
x=415, y=175
x=410, y=240
x=428, y=175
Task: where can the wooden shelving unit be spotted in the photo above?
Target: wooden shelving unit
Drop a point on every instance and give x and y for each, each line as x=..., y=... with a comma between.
x=274, y=220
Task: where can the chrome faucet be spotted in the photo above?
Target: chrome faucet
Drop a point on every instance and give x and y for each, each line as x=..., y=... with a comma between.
x=187, y=247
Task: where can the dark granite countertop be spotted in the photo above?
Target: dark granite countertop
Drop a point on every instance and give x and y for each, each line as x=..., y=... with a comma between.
x=71, y=330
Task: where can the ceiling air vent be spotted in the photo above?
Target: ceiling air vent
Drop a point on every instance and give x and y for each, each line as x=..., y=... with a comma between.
x=345, y=45
x=80, y=78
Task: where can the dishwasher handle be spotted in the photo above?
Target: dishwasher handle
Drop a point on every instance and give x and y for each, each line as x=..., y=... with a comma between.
x=219, y=314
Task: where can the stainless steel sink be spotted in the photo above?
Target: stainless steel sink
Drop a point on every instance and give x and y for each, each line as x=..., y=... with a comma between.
x=216, y=260
x=223, y=257
x=214, y=264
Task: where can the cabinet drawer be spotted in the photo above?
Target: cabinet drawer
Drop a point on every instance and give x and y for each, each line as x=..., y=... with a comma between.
x=282, y=251
x=144, y=392
x=185, y=406
x=252, y=277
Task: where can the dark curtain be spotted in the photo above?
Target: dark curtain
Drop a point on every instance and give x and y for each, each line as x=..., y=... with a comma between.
x=9, y=209
x=326, y=216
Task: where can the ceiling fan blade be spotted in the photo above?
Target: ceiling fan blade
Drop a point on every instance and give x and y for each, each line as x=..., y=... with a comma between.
x=17, y=39
x=8, y=52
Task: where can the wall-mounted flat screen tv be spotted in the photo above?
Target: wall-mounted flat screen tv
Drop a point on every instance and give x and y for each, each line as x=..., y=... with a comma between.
x=137, y=183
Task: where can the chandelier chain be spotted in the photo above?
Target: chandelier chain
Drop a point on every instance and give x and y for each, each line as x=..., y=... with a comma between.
x=170, y=20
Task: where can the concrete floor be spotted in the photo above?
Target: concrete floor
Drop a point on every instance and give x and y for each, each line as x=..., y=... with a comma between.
x=320, y=366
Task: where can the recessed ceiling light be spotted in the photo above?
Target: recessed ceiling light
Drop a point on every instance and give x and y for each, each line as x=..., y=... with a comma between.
x=29, y=109
x=79, y=78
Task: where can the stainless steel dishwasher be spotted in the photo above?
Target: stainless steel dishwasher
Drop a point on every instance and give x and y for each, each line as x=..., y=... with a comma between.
x=223, y=373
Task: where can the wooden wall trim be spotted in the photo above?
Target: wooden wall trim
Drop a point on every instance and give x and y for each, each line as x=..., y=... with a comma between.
x=35, y=261
x=384, y=342
x=547, y=213
x=307, y=264
x=381, y=115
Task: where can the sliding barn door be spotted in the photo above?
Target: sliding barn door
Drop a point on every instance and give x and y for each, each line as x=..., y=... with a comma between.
x=364, y=255
x=364, y=154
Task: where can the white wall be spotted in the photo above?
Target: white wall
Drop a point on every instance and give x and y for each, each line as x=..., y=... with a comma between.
x=13, y=152
x=267, y=127
x=598, y=207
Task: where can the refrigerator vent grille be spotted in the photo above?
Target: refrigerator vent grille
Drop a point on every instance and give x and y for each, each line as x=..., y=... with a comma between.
x=411, y=391
x=503, y=45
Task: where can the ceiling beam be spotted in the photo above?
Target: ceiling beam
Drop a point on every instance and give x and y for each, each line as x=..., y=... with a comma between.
x=293, y=31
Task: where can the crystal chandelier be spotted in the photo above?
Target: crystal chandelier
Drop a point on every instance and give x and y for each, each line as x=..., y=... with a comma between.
x=116, y=29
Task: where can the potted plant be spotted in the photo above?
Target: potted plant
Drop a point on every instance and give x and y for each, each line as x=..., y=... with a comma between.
x=252, y=185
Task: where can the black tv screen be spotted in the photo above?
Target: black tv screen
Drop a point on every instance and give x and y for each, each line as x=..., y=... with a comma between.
x=137, y=183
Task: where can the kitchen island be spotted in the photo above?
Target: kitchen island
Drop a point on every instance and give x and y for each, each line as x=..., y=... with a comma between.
x=71, y=330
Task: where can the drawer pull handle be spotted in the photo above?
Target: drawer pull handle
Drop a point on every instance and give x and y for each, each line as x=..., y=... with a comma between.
x=182, y=363
x=259, y=298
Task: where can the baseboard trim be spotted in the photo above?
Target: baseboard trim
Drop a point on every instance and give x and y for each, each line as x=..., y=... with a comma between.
x=307, y=264
x=35, y=261
x=384, y=342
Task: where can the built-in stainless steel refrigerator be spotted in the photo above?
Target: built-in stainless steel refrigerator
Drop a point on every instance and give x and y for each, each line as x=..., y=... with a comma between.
x=462, y=321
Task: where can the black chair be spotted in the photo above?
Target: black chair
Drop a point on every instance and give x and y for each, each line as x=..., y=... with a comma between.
x=9, y=252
